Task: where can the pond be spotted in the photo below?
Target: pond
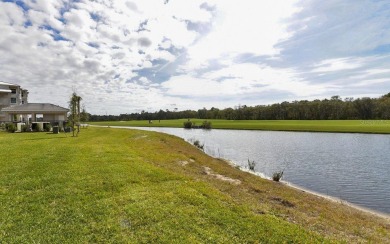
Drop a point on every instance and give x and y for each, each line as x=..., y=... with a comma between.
x=352, y=167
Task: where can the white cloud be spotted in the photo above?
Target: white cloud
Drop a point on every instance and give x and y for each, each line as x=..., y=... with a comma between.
x=11, y=15
x=370, y=73
x=245, y=27
x=127, y=55
x=338, y=64
x=371, y=82
x=241, y=80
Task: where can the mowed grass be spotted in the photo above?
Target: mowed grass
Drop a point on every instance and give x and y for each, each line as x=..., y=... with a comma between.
x=129, y=186
x=352, y=126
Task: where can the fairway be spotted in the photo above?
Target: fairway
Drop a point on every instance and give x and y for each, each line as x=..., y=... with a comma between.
x=130, y=186
x=350, y=126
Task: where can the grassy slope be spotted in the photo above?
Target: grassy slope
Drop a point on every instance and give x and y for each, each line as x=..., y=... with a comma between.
x=111, y=185
x=361, y=126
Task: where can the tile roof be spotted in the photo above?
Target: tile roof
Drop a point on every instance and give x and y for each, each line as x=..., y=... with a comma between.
x=35, y=107
x=2, y=83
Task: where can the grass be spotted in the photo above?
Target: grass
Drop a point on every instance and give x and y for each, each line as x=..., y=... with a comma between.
x=129, y=186
x=352, y=126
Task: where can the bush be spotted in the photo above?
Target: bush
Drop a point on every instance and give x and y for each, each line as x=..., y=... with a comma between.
x=277, y=175
x=198, y=145
x=251, y=165
x=187, y=124
x=2, y=126
x=24, y=128
x=206, y=125
x=47, y=127
x=11, y=127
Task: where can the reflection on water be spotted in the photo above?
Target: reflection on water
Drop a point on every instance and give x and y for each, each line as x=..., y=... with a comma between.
x=352, y=167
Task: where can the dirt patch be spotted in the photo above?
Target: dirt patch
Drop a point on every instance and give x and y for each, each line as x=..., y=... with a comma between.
x=283, y=202
x=183, y=163
x=208, y=171
x=139, y=137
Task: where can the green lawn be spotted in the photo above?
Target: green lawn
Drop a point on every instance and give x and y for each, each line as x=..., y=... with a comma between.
x=354, y=126
x=129, y=186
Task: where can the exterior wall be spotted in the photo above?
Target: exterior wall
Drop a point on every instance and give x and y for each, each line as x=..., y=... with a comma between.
x=5, y=100
x=24, y=96
x=20, y=96
x=54, y=117
x=49, y=117
x=8, y=99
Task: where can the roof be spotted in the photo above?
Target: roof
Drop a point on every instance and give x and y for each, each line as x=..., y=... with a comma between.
x=2, y=83
x=36, y=108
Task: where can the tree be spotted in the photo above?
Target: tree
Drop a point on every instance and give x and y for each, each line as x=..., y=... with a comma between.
x=74, y=118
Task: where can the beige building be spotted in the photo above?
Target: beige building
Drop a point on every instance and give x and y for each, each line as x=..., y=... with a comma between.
x=11, y=95
x=36, y=112
x=14, y=107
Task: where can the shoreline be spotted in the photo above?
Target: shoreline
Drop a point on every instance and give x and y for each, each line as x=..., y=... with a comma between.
x=314, y=193
x=339, y=201
x=254, y=129
x=289, y=184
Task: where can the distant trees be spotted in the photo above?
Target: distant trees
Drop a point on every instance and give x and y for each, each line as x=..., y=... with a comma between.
x=327, y=109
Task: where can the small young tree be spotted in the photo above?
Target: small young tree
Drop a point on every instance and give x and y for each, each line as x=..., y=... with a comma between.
x=74, y=118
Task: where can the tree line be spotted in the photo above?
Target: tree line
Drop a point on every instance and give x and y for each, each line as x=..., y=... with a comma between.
x=334, y=108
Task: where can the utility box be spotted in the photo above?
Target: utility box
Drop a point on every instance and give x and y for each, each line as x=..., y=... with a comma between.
x=56, y=130
x=19, y=126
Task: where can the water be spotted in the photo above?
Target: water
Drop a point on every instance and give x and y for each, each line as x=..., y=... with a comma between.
x=352, y=167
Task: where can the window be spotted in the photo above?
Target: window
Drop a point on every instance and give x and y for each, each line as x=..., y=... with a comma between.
x=13, y=91
x=13, y=99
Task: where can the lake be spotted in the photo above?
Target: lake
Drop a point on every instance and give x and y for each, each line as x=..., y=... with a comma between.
x=352, y=167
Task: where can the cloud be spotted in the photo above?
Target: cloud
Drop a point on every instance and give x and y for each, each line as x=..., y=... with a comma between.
x=125, y=56
x=249, y=27
x=241, y=80
x=338, y=64
x=336, y=28
x=132, y=6
x=144, y=42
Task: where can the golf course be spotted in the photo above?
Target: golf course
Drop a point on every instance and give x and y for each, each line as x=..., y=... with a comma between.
x=348, y=126
x=130, y=186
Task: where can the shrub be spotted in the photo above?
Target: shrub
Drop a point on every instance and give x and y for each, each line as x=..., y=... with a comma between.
x=206, y=124
x=198, y=145
x=24, y=128
x=277, y=175
x=251, y=165
x=47, y=127
x=187, y=124
x=11, y=127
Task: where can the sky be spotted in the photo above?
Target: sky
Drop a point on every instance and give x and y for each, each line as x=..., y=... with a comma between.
x=128, y=56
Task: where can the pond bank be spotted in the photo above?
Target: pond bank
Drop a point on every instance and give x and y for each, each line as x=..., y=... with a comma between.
x=314, y=193
x=116, y=185
x=328, y=163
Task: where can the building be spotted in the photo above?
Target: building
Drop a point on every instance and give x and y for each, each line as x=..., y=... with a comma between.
x=14, y=107
x=11, y=95
x=36, y=112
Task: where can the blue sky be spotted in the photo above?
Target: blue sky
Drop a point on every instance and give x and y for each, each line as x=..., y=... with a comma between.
x=128, y=56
